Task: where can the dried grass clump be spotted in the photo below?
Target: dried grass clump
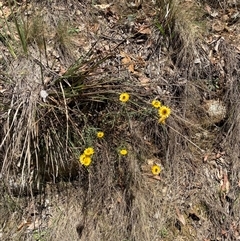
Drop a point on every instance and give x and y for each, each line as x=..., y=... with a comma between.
x=219, y=195
x=42, y=139
x=181, y=26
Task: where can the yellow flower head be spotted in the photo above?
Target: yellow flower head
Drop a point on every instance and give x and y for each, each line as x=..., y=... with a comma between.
x=124, y=97
x=88, y=151
x=156, y=170
x=123, y=152
x=100, y=134
x=85, y=160
x=164, y=111
x=156, y=104
x=162, y=120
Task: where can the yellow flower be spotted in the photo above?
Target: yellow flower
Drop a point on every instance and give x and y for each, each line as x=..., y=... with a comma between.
x=162, y=120
x=124, y=97
x=156, y=170
x=85, y=160
x=123, y=152
x=88, y=151
x=164, y=111
x=82, y=156
x=156, y=104
x=100, y=134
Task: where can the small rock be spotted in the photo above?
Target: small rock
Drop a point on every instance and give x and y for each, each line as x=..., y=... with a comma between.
x=216, y=110
x=44, y=95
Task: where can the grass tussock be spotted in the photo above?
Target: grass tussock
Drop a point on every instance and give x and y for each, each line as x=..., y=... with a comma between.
x=130, y=150
x=181, y=26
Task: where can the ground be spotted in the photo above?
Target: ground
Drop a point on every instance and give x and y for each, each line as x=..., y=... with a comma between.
x=65, y=67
